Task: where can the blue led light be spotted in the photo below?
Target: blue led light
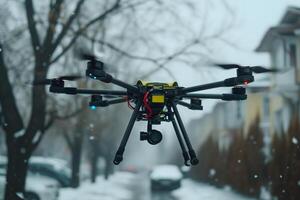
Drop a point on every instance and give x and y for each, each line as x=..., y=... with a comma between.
x=93, y=107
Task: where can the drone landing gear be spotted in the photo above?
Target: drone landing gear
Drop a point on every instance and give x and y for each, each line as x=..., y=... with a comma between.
x=190, y=155
x=121, y=149
x=182, y=146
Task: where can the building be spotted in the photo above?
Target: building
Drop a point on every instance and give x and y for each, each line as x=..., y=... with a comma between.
x=273, y=100
x=282, y=42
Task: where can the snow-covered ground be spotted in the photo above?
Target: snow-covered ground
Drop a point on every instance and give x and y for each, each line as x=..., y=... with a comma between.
x=116, y=188
x=192, y=190
x=127, y=186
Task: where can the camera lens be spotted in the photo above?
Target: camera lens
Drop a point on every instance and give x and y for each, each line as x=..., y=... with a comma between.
x=154, y=137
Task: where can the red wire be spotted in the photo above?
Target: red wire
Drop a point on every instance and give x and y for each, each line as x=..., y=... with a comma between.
x=128, y=103
x=147, y=106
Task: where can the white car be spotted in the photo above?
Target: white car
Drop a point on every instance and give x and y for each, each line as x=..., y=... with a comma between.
x=165, y=178
x=37, y=187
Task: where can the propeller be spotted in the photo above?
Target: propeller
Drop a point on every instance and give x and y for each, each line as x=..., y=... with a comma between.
x=49, y=81
x=111, y=96
x=255, y=69
x=86, y=55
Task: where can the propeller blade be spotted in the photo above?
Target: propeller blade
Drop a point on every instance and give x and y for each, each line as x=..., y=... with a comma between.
x=87, y=56
x=228, y=66
x=111, y=96
x=42, y=82
x=259, y=69
x=70, y=77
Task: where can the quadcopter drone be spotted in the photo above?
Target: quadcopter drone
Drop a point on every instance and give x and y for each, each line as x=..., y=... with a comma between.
x=155, y=102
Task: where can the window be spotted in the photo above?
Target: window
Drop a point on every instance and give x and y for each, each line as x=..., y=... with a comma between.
x=292, y=55
x=266, y=107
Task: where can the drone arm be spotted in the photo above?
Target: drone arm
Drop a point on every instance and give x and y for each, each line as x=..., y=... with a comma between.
x=107, y=78
x=190, y=106
x=230, y=82
x=74, y=91
x=111, y=102
x=225, y=97
x=203, y=87
x=125, y=85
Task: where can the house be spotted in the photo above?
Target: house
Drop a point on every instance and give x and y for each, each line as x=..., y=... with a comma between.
x=273, y=100
x=282, y=42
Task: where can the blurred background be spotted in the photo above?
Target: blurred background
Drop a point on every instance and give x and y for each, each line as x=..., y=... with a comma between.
x=53, y=146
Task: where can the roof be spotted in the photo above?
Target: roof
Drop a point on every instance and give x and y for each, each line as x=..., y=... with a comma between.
x=288, y=26
x=291, y=16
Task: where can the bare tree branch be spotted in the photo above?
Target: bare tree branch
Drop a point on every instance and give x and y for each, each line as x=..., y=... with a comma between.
x=66, y=27
x=35, y=40
x=170, y=58
x=85, y=27
x=54, y=13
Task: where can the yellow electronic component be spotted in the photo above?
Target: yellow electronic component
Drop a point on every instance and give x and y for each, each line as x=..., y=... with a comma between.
x=158, y=99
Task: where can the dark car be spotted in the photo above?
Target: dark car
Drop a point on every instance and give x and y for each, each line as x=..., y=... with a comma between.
x=50, y=167
x=165, y=178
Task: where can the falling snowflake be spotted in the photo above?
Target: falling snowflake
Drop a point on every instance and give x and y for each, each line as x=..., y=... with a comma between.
x=294, y=140
x=212, y=172
x=298, y=183
x=0, y=49
x=255, y=176
x=92, y=137
x=23, y=150
x=280, y=176
x=239, y=161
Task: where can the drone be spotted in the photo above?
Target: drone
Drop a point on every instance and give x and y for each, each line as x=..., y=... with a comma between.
x=155, y=102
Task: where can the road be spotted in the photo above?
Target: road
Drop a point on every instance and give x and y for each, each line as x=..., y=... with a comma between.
x=126, y=186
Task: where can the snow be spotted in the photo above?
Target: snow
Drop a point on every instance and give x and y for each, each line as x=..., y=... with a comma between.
x=36, y=137
x=192, y=190
x=20, y=195
x=112, y=189
x=212, y=172
x=166, y=172
x=58, y=164
x=19, y=133
x=125, y=186
x=294, y=140
x=265, y=194
x=91, y=137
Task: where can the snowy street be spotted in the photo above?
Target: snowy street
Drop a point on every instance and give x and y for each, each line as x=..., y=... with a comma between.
x=127, y=186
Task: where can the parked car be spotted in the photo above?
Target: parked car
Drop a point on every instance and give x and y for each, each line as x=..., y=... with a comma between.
x=165, y=178
x=37, y=187
x=51, y=167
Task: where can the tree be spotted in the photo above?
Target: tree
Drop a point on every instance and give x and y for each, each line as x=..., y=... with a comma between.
x=20, y=149
x=52, y=30
x=255, y=159
x=285, y=162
